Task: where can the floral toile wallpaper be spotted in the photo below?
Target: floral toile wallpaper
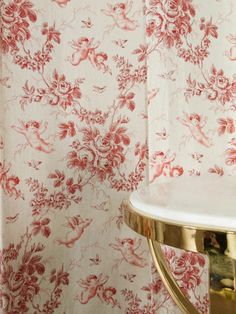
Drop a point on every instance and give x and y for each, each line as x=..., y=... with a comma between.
x=98, y=98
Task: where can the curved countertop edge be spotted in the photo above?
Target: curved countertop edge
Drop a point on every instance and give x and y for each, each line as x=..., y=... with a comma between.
x=181, y=223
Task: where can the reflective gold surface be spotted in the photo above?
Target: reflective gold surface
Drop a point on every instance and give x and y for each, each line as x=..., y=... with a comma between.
x=220, y=247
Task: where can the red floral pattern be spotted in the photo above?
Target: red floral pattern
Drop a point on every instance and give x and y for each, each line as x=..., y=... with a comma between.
x=98, y=100
x=8, y=182
x=16, y=17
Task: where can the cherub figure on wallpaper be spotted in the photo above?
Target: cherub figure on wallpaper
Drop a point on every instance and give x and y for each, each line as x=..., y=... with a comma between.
x=90, y=286
x=195, y=124
x=118, y=12
x=95, y=286
x=161, y=163
x=231, y=54
x=128, y=249
x=85, y=49
x=77, y=226
x=32, y=131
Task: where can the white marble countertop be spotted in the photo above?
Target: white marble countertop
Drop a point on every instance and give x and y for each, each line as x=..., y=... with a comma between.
x=208, y=202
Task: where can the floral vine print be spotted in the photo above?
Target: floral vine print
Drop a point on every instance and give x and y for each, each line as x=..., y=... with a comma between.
x=217, y=88
x=99, y=99
x=22, y=270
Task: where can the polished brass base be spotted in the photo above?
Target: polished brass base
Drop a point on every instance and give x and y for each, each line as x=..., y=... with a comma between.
x=218, y=245
x=221, y=305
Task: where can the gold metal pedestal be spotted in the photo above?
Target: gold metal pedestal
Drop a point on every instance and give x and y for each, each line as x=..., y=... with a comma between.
x=218, y=245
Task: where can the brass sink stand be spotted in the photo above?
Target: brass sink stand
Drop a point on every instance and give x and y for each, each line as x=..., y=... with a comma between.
x=218, y=245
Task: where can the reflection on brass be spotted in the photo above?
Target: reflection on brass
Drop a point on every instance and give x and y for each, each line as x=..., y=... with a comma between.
x=231, y=248
x=218, y=245
x=221, y=303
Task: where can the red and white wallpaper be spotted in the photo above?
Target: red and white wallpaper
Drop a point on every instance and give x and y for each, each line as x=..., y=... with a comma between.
x=98, y=98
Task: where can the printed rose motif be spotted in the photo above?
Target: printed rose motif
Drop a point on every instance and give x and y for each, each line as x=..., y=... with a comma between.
x=15, y=24
x=104, y=168
x=100, y=155
x=186, y=268
x=218, y=79
x=224, y=89
x=169, y=20
x=218, y=87
x=116, y=157
x=23, y=279
x=17, y=280
x=169, y=23
x=58, y=92
x=221, y=81
x=104, y=144
x=82, y=158
x=171, y=8
x=62, y=92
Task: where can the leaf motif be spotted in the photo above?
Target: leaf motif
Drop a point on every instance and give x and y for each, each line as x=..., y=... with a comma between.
x=231, y=159
x=55, y=75
x=36, y=230
x=32, y=16
x=35, y=259
x=40, y=268
x=46, y=231
x=131, y=105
